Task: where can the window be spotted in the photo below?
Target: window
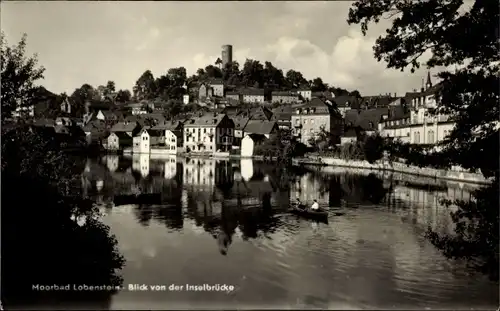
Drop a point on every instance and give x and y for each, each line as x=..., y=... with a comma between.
x=297, y=121
x=311, y=131
x=430, y=137
x=210, y=147
x=211, y=139
x=312, y=121
x=416, y=138
x=204, y=130
x=305, y=121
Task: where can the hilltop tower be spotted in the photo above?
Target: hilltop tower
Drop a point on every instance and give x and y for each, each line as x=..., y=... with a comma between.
x=227, y=54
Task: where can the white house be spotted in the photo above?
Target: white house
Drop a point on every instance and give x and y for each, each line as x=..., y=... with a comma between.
x=170, y=142
x=185, y=99
x=306, y=93
x=217, y=86
x=141, y=141
x=247, y=146
x=66, y=106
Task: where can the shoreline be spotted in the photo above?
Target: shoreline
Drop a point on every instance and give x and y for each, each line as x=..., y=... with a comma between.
x=451, y=175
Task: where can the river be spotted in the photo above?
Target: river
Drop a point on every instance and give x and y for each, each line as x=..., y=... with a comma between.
x=225, y=222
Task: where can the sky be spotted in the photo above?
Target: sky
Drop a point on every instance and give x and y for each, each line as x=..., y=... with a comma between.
x=93, y=42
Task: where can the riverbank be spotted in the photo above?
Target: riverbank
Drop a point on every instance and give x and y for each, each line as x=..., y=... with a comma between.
x=455, y=174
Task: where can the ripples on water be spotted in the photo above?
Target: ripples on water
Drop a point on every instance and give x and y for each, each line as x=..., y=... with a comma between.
x=372, y=255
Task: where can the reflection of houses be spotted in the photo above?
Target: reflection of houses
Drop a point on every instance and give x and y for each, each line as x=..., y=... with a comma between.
x=209, y=133
x=112, y=162
x=140, y=163
x=246, y=168
x=199, y=172
x=170, y=166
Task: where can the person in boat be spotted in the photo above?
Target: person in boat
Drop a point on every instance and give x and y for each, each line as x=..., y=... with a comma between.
x=299, y=204
x=315, y=206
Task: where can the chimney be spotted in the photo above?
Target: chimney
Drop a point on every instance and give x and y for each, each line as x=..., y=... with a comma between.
x=395, y=94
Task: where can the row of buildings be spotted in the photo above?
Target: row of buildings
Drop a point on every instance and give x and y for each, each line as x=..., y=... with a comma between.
x=408, y=118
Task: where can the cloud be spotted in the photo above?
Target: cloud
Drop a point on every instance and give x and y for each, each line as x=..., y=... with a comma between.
x=311, y=37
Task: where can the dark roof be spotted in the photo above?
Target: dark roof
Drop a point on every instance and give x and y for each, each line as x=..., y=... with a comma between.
x=170, y=125
x=232, y=93
x=345, y=101
x=138, y=130
x=94, y=125
x=284, y=93
x=350, y=132
x=259, y=127
x=98, y=105
x=260, y=113
x=124, y=126
x=376, y=101
x=240, y=122
x=320, y=107
x=208, y=119
x=252, y=91
x=282, y=113
x=109, y=115
x=122, y=135
x=216, y=81
x=363, y=118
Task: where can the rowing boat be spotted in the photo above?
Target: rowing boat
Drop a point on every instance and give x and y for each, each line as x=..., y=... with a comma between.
x=321, y=216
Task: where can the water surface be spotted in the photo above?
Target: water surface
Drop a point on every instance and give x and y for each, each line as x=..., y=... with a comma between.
x=225, y=222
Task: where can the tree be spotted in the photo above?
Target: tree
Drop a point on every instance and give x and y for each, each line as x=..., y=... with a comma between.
x=33, y=159
x=318, y=85
x=177, y=76
x=80, y=96
x=218, y=63
x=110, y=88
x=449, y=31
x=373, y=148
x=295, y=78
x=123, y=96
x=145, y=87
x=251, y=73
x=19, y=74
x=355, y=93
x=212, y=72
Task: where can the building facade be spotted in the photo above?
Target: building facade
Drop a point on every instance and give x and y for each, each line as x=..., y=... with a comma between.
x=208, y=134
x=252, y=95
x=310, y=118
x=141, y=141
x=217, y=86
x=284, y=97
x=306, y=93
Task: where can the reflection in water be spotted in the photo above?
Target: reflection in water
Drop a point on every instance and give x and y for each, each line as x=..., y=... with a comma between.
x=373, y=255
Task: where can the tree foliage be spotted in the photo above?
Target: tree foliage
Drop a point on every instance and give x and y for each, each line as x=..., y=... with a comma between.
x=51, y=234
x=463, y=36
x=19, y=74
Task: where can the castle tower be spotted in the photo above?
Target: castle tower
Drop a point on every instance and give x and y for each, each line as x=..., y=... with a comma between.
x=227, y=54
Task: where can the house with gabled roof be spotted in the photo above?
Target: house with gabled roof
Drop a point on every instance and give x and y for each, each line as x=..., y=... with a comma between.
x=282, y=115
x=209, y=133
x=124, y=126
x=309, y=119
x=265, y=128
x=118, y=141
x=140, y=140
x=239, y=125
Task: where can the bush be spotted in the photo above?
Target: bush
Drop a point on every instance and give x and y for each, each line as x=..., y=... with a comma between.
x=373, y=148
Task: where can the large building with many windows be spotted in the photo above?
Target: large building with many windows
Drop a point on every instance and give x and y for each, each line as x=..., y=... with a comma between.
x=308, y=120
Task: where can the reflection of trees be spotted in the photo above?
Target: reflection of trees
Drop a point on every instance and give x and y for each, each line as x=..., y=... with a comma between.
x=41, y=243
x=143, y=213
x=476, y=227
